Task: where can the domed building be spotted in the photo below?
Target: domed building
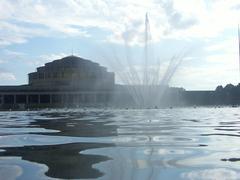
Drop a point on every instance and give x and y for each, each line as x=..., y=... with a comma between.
x=68, y=81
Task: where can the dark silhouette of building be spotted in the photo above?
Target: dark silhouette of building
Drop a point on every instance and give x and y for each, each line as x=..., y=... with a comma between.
x=228, y=95
x=68, y=81
x=74, y=73
x=74, y=81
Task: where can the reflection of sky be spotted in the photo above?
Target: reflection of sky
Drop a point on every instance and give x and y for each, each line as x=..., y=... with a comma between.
x=33, y=33
x=130, y=144
x=13, y=168
x=218, y=173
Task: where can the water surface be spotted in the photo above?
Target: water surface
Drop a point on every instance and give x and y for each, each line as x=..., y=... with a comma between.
x=181, y=143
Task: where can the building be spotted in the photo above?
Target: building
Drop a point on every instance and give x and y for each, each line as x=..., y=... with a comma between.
x=73, y=81
x=68, y=81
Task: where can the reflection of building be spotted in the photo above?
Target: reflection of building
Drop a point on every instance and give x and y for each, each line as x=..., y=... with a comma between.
x=64, y=160
x=70, y=80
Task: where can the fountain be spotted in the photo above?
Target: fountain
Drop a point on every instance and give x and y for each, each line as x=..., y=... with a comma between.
x=146, y=82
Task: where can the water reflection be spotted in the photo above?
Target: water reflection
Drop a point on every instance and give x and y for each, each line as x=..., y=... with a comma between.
x=218, y=173
x=231, y=159
x=64, y=160
x=77, y=124
x=142, y=144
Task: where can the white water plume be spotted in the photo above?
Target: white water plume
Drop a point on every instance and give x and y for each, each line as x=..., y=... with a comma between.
x=145, y=80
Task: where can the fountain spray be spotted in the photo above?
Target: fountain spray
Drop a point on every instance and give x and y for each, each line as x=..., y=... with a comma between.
x=239, y=50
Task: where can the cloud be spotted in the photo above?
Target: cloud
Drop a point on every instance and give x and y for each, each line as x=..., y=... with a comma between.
x=14, y=33
x=21, y=20
x=207, y=72
x=44, y=58
x=50, y=57
x=228, y=45
x=236, y=7
x=13, y=54
x=9, y=55
x=208, y=22
x=6, y=76
x=176, y=19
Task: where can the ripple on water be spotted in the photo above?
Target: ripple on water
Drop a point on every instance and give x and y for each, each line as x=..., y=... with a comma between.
x=169, y=144
x=217, y=173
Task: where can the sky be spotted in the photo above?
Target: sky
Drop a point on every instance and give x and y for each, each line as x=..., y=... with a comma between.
x=33, y=32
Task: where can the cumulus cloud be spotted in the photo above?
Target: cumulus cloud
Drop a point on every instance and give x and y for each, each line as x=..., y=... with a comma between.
x=72, y=17
x=16, y=33
x=176, y=19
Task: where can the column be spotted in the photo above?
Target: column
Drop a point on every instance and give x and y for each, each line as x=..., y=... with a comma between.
x=39, y=98
x=1, y=99
x=27, y=98
x=50, y=98
x=14, y=99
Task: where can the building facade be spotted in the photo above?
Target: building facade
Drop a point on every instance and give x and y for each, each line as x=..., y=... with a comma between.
x=70, y=81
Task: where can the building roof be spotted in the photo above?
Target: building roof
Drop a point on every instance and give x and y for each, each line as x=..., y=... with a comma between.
x=70, y=62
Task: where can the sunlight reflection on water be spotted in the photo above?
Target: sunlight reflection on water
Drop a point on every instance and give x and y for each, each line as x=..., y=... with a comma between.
x=182, y=143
